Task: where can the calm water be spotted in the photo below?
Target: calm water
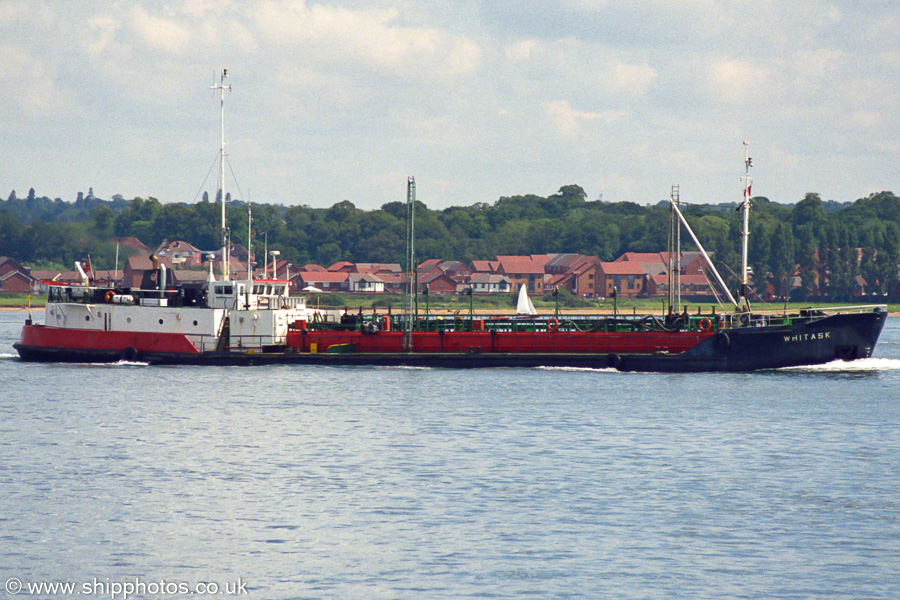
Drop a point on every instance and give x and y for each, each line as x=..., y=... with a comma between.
x=365, y=483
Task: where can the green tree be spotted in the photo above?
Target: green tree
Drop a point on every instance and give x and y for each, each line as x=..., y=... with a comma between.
x=806, y=262
x=781, y=259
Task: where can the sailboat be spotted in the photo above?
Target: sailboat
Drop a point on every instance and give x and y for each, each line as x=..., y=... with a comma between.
x=524, y=306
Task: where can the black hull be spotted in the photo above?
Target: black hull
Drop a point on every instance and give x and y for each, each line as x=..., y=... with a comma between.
x=814, y=341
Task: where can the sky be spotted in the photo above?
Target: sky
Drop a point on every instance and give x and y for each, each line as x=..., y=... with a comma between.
x=477, y=99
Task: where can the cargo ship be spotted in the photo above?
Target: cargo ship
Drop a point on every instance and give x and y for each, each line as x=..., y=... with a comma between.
x=256, y=322
x=253, y=321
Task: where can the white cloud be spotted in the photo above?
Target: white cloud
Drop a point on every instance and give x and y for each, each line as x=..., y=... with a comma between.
x=166, y=35
x=369, y=38
x=569, y=121
x=103, y=30
x=520, y=50
x=737, y=80
x=484, y=97
x=633, y=79
x=31, y=83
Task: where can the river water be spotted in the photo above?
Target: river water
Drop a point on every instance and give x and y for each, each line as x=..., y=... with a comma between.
x=308, y=482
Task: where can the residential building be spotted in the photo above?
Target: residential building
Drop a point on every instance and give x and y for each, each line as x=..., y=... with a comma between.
x=437, y=283
x=327, y=281
x=525, y=270
x=180, y=253
x=627, y=277
x=489, y=283
x=365, y=283
x=15, y=278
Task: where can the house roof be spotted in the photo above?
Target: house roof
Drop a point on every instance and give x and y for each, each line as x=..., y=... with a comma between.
x=491, y=278
x=392, y=278
x=558, y=280
x=521, y=265
x=132, y=243
x=341, y=265
x=435, y=275
x=621, y=268
x=20, y=274
x=11, y=262
x=485, y=266
x=323, y=276
x=430, y=263
x=378, y=267
x=313, y=268
x=357, y=277
x=452, y=265
x=645, y=257
x=168, y=247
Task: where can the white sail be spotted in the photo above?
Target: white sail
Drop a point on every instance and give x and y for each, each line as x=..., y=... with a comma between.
x=524, y=307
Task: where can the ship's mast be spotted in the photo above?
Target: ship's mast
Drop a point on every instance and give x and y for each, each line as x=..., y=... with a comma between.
x=743, y=303
x=411, y=287
x=222, y=88
x=249, y=237
x=674, y=252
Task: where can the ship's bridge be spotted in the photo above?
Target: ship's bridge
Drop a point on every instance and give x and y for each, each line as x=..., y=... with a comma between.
x=250, y=294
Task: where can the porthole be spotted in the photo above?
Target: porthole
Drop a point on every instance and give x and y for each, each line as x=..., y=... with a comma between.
x=128, y=319
x=87, y=317
x=160, y=321
x=195, y=322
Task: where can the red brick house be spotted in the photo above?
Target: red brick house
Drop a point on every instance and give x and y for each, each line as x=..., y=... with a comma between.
x=457, y=271
x=524, y=270
x=17, y=282
x=15, y=278
x=437, y=283
x=627, y=276
x=394, y=283
x=327, y=281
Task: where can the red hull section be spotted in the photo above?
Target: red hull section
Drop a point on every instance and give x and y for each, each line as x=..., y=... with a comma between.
x=644, y=342
x=112, y=341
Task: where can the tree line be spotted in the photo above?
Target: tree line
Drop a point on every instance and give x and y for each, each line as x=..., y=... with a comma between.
x=791, y=244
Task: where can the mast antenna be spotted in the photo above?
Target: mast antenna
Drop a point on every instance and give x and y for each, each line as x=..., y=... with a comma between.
x=743, y=302
x=222, y=88
x=674, y=262
x=411, y=268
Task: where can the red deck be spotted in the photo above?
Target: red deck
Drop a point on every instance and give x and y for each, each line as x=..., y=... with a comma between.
x=644, y=342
